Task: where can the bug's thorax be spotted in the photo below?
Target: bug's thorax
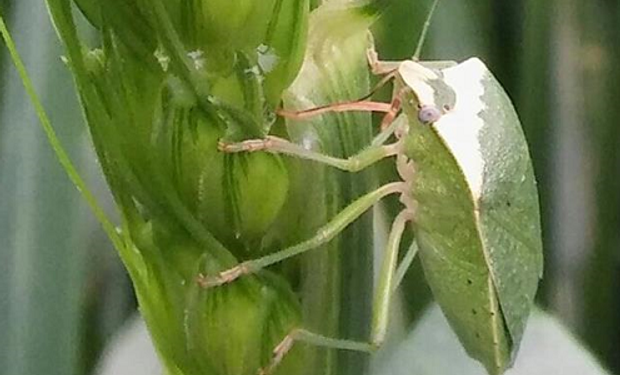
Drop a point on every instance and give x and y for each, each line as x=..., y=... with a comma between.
x=448, y=102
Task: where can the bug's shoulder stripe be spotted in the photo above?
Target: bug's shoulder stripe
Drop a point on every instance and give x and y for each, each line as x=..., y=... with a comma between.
x=461, y=126
x=419, y=78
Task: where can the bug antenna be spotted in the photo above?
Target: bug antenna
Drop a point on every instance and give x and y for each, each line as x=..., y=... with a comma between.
x=427, y=23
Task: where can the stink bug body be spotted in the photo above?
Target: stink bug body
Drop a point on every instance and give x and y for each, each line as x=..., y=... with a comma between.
x=476, y=218
x=469, y=195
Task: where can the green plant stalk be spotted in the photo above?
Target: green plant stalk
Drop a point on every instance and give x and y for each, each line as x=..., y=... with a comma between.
x=147, y=262
x=151, y=275
x=152, y=270
x=332, y=74
x=44, y=224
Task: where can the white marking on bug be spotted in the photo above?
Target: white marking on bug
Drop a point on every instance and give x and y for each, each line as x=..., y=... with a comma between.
x=417, y=76
x=461, y=126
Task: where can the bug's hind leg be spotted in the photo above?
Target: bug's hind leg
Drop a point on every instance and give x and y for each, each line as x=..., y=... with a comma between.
x=302, y=335
x=355, y=163
x=381, y=307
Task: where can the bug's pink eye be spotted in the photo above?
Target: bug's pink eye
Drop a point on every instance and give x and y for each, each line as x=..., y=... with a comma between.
x=429, y=114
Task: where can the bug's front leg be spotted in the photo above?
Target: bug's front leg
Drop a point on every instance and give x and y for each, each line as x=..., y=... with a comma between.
x=276, y=145
x=351, y=106
x=381, y=306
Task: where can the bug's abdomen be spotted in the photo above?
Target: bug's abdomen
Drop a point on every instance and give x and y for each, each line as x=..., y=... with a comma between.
x=469, y=301
x=451, y=251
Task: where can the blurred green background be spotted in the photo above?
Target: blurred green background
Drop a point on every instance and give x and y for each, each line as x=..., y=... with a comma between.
x=63, y=292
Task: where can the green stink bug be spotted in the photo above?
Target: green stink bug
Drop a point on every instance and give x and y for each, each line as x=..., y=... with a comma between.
x=469, y=196
x=469, y=193
x=476, y=215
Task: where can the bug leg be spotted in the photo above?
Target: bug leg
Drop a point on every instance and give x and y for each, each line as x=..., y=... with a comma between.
x=395, y=107
x=395, y=128
x=325, y=234
x=301, y=335
x=391, y=114
x=358, y=105
x=384, y=80
x=405, y=264
x=277, y=145
x=391, y=109
x=387, y=69
x=386, y=281
x=378, y=67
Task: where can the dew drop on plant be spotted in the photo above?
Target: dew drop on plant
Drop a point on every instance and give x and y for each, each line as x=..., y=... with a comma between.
x=162, y=59
x=267, y=59
x=197, y=58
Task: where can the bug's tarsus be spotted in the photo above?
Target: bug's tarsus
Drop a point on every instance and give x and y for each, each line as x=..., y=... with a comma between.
x=279, y=352
x=373, y=57
x=250, y=145
x=225, y=277
x=379, y=67
x=302, y=335
x=204, y=281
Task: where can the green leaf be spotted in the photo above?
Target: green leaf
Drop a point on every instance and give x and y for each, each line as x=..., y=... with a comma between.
x=45, y=229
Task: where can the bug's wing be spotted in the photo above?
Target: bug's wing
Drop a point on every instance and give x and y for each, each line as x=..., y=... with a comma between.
x=477, y=219
x=496, y=163
x=448, y=170
x=509, y=218
x=468, y=298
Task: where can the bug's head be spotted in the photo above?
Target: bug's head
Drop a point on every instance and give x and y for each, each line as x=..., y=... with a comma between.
x=429, y=114
x=428, y=96
x=440, y=103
